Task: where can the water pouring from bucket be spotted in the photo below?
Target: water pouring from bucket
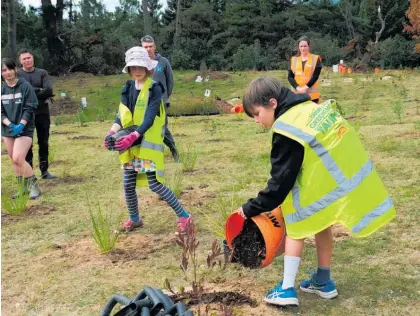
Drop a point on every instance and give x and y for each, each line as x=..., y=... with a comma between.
x=257, y=241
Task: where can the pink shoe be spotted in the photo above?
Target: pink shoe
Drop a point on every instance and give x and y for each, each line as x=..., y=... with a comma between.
x=185, y=223
x=129, y=225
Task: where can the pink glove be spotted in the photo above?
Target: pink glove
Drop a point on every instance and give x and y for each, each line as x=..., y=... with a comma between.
x=125, y=142
x=110, y=133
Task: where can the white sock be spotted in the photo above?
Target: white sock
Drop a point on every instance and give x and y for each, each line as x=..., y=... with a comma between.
x=291, y=266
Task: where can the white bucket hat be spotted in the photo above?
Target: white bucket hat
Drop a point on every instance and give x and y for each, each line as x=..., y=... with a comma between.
x=138, y=56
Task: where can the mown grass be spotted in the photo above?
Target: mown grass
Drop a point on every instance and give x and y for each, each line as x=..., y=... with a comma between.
x=50, y=265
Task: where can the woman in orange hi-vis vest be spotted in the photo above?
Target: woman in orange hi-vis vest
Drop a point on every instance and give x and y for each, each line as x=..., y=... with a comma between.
x=304, y=71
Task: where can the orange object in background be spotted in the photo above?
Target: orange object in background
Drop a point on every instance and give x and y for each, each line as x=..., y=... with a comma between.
x=377, y=70
x=341, y=68
x=271, y=225
x=239, y=108
x=349, y=70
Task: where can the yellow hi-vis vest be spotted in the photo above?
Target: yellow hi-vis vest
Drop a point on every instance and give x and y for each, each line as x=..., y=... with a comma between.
x=337, y=182
x=151, y=147
x=302, y=76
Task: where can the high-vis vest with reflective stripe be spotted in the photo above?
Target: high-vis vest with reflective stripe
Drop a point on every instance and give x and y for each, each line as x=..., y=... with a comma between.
x=151, y=147
x=302, y=76
x=337, y=182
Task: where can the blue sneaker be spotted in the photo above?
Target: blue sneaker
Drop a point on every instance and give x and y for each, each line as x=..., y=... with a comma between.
x=324, y=290
x=278, y=296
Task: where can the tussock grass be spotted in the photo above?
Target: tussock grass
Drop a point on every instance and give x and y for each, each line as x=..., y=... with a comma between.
x=18, y=205
x=104, y=230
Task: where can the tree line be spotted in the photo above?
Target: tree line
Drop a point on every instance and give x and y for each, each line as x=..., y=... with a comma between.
x=82, y=35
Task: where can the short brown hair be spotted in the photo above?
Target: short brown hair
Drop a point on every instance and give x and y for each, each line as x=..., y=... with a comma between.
x=259, y=92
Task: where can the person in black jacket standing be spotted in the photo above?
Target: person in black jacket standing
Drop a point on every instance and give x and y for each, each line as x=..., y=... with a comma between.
x=40, y=81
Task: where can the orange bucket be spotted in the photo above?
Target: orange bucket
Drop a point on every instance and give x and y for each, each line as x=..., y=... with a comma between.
x=271, y=226
x=239, y=108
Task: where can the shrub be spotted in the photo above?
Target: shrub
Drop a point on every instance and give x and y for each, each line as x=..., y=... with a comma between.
x=180, y=60
x=396, y=52
x=245, y=58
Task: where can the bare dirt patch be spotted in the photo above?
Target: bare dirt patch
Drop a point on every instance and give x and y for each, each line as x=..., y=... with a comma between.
x=62, y=132
x=225, y=298
x=129, y=248
x=223, y=106
x=82, y=137
x=213, y=75
x=31, y=211
x=340, y=233
x=64, y=105
x=410, y=135
x=65, y=180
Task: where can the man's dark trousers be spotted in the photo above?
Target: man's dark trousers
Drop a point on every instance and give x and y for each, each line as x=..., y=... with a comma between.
x=42, y=126
x=168, y=140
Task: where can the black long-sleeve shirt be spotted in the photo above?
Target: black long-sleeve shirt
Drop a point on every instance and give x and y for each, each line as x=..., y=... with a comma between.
x=286, y=161
x=129, y=95
x=41, y=83
x=314, y=78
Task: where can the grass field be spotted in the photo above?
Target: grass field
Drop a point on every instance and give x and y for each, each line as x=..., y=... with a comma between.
x=51, y=266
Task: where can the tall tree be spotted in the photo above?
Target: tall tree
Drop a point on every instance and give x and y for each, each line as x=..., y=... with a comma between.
x=11, y=28
x=413, y=14
x=146, y=17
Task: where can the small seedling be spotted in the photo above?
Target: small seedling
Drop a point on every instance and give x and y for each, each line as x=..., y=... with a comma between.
x=175, y=182
x=398, y=109
x=189, y=157
x=17, y=205
x=104, y=228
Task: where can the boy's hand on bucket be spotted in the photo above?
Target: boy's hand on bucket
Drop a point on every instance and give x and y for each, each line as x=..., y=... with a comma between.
x=240, y=211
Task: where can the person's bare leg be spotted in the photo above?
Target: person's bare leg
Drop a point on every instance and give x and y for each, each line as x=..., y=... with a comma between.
x=324, y=247
x=20, y=149
x=10, y=142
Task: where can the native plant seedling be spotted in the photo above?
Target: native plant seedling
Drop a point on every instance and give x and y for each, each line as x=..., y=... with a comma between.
x=398, y=109
x=104, y=228
x=189, y=157
x=175, y=182
x=17, y=205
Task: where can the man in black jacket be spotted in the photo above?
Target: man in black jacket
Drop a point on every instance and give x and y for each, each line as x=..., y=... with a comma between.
x=40, y=81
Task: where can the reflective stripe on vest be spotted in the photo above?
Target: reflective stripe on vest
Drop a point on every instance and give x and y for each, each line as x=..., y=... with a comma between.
x=372, y=215
x=345, y=186
x=150, y=145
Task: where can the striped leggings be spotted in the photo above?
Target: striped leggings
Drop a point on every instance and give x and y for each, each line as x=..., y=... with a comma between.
x=163, y=191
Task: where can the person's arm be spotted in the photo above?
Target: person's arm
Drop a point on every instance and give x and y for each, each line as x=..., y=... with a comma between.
x=291, y=78
x=29, y=105
x=152, y=109
x=169, y=75
x=47, y=90
x=286, y=162
x=316, y=73
x=4, y=119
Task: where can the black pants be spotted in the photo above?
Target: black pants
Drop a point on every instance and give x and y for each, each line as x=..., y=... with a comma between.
x=168, y=140
x=42, y=126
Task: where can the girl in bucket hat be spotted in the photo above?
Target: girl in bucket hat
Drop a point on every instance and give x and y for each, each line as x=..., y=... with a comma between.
x=142, y=151
x=320, y=175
